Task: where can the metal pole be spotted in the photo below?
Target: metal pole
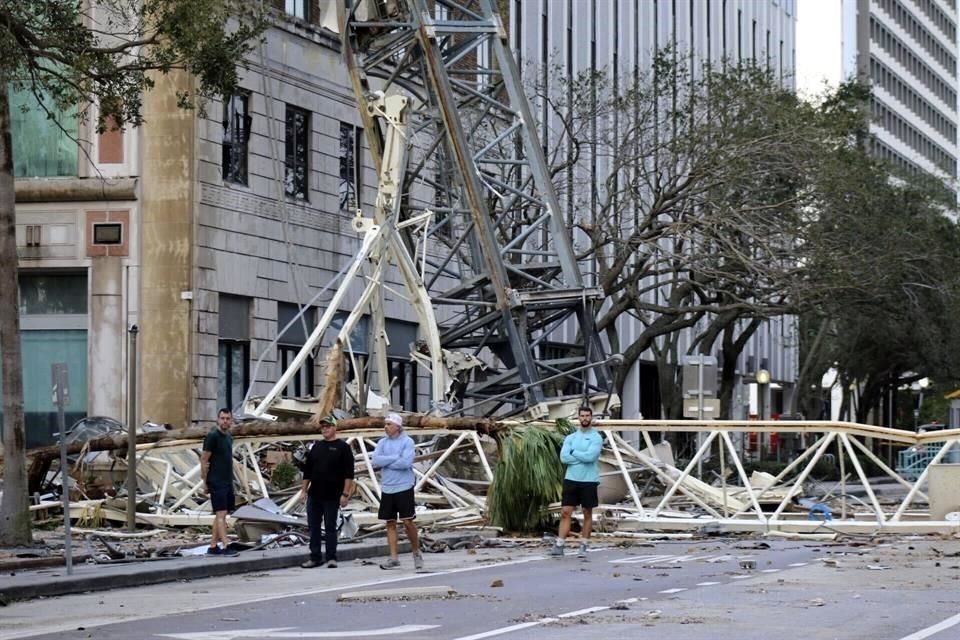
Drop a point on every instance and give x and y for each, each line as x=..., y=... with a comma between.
x=59, y=371
x=132, y=429
x=762, y=410
x=699, y=413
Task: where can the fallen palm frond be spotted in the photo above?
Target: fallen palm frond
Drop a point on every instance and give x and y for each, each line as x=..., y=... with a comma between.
x=527, y=478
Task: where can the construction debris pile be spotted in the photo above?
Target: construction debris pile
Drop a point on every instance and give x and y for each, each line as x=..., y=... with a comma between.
x=452, y=470
x=643, y=491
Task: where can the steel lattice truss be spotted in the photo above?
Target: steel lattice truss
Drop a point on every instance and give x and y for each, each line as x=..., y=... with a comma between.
x=497, y=257
x=654, y=493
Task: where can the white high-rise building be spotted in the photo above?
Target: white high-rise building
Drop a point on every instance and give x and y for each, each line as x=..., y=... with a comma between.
x=622, y=35
x=907, y=50
x=618, y=34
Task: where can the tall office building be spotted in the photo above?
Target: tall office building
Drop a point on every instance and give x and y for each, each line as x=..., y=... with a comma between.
x=620, y=34
x=555, y=37
x=907, y=50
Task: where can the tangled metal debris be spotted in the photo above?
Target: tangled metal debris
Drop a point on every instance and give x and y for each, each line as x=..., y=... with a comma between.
x=642, y=490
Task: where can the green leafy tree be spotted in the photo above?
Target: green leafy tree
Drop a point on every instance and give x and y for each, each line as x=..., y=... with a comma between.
x=84, y=57
x=688, y=193
x=886, y=252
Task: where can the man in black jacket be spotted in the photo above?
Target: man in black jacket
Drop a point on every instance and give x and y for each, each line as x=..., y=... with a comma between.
x=327, y=484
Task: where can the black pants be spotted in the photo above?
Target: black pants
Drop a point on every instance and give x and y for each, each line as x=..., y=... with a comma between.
x=322, y=514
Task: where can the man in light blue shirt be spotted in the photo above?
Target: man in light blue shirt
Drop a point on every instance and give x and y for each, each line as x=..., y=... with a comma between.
x=581, y=453
x=394, y=456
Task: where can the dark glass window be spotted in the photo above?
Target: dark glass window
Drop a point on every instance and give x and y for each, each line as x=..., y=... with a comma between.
x=236, y=134
x=349, y=167
x=297, y=9
x=233, y=361
x=110, y=233
x=289, y=344
x=53, y=294
x=295, y=182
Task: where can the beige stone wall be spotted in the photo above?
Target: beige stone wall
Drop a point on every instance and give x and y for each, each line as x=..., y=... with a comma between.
x=166, y=235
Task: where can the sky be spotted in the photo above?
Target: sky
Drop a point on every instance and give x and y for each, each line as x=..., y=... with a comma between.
x=818, y=47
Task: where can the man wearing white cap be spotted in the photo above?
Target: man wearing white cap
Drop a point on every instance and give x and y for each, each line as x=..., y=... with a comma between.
x=394, y=456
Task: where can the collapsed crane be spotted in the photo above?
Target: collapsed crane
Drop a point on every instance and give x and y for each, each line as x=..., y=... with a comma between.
x=468, y=216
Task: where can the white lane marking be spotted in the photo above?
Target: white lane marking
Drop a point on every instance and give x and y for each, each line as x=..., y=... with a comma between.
x=937, y=628
x=283, y=632
x=294, y=594
x=685, y=558
x=526, y=625
x=503, y=630
x=798, y=564
x=372, y=583
x=639, y=559
x=582, y=612
x=631, y=560
x=770, y=571
x=654, y=559
x=719, y=559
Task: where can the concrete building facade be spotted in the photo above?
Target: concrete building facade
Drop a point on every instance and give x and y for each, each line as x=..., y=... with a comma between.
x=208, y=233
x=907, y=50
x=77, y=231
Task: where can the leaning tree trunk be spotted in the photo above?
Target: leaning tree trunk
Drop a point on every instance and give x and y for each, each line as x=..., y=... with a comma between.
x=264, y=428
x=14, y=508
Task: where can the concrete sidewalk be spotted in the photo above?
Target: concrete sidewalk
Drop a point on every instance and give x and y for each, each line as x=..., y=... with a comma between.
x=41, y=583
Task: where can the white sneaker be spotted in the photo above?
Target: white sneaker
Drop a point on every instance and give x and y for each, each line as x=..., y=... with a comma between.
x=582, y=552
x=557, y=551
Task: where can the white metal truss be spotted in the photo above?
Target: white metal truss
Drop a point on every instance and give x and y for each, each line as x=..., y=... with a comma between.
x=673, y=497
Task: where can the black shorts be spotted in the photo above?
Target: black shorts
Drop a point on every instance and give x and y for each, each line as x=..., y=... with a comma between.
x=221, y=496
x=399, y=504
x=582, y=494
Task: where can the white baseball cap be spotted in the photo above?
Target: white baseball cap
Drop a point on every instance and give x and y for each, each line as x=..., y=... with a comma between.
x=394, y=418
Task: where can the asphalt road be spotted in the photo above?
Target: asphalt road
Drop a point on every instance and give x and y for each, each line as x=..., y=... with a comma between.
x=680, y=591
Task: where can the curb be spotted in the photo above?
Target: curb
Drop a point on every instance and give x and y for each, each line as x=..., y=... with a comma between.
x=146, y=573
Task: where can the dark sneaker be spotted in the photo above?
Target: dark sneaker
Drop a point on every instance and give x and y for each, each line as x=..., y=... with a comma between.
x=557, y=551
x=228, y=552
x=214, y=551
x=582, y=552
x=331, y=564
x=309, y=564
x=392, y=563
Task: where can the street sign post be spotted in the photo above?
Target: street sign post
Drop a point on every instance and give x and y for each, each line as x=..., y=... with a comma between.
x=58, y=372
x=700, y=380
